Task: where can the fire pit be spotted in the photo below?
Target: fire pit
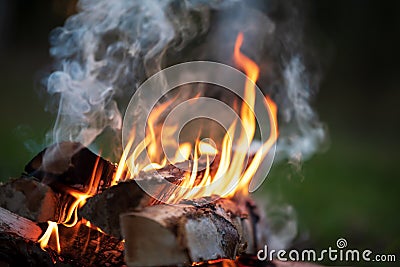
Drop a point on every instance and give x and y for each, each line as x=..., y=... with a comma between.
x=179, y=195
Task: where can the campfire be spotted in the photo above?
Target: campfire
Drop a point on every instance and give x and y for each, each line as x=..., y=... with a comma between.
x=95, y=209
x=179, y=194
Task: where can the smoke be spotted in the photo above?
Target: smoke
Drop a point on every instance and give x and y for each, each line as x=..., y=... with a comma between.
x=106, y=50
x=303, y=133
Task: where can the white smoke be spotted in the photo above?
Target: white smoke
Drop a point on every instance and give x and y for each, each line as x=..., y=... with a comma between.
x=106, y=50
x=302, y=133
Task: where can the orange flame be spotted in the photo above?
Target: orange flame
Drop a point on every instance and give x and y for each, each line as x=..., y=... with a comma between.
x=233, y=174
x=69, y=213
x=52, y=229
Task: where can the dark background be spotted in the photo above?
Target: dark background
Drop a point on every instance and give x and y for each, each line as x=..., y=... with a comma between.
x=349, y=190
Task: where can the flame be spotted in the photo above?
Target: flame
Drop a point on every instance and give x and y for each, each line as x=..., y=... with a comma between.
x=183, y=152
x=69, y=213
x=207, y=149
x=232, y=174
x=52, y=229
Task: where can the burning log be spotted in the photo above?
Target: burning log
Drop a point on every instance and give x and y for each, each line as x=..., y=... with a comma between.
x=104, y=208
x=186, y=233
x=18, y=245
x=81, y=245
x=70, y=165
x=193, y=231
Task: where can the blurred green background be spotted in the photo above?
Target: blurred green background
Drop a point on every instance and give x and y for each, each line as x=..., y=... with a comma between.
x=349, y=190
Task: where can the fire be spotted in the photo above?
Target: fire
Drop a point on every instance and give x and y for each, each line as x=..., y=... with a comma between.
x=52, y=229
x=231, y=173
x=69, y=213
x=215, y=169
x=207, y=149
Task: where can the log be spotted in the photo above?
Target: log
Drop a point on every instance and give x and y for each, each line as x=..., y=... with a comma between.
x=17, y=251
x=18, y=245
x=29, y=198
x=68, y=165
x=104, y=208
x=80, y=245
x=186, y=233
x=20, y=226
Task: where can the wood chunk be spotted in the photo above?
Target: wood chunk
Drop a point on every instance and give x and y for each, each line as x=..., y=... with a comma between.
x=70, y=164
x=12, y=223
x=31, y=199
x=104, y=209
x=18, y=245
x=80, y=245
x=183, y=233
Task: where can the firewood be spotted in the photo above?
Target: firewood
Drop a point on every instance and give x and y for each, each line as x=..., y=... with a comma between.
x=185, y=233
x=80, y=245
x=13, y=223
x=104, y=208
x=18, y=246
x=68, y=164
x=31, y=199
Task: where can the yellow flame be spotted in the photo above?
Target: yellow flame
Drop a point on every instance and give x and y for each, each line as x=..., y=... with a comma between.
x=183, y=152
x=207, y=149
x=232, y=173
x=51, y=229
x=69, y=213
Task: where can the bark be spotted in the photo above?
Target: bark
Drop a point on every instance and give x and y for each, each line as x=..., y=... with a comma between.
x=29, y=198
x=18, y=245
x=186, y=233
x=104, y=209
x=70, y=165
x=20, y=226
x=80, y=245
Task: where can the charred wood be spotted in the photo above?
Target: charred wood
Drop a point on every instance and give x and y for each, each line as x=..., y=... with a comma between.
x=104, y=209
x=81, y=245
x=70, y=165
